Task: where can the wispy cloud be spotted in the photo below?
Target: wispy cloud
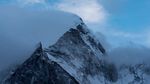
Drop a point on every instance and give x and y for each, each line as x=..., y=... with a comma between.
x=117, y=37
x=90, y=10
x=93, y=12
x=31, y=1
x=147, y=36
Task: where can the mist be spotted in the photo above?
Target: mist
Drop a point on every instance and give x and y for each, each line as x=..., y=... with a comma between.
x=22, y=28
x=130, y=55
x=124, y=53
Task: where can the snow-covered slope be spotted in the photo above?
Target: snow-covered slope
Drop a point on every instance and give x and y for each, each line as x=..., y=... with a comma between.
x=82, y=55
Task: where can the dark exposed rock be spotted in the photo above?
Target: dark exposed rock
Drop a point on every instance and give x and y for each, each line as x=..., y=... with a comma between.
x=38, y=69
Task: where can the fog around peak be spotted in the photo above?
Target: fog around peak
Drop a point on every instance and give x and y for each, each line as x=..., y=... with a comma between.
x=21, y=29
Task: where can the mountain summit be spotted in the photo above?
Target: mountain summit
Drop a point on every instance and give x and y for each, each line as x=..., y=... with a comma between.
x=82, y=55
x=77, y=56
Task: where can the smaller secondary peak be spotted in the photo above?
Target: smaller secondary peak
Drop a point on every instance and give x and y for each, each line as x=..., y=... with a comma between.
x=38, y=49
x=39, y=46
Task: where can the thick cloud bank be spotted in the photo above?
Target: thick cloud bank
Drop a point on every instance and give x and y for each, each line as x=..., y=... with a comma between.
x=21, y=29
x=130, y=55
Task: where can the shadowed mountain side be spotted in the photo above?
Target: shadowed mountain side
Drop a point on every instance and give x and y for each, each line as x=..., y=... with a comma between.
x=38, y=69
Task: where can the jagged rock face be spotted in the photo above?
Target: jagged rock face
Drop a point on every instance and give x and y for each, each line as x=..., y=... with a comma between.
x=79, y=50
x=39, y=69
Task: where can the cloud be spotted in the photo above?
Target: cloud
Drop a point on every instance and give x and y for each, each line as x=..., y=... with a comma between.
x=117, y=37
x=147, y=36
x=127, y=38
x=31, y=1
x=125, y=55
x=91, y=11
x=21, y=29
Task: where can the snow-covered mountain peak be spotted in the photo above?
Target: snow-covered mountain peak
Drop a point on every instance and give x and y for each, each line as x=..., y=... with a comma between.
x=81, y=54
x=79, y=36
